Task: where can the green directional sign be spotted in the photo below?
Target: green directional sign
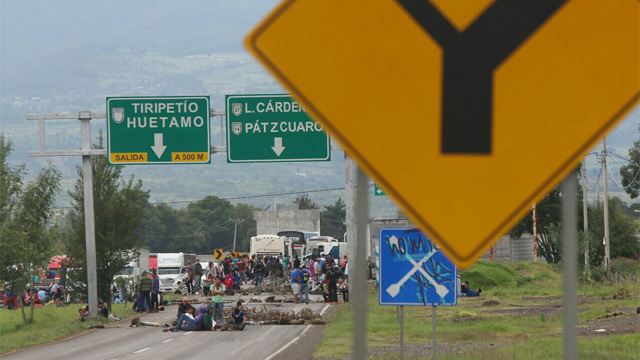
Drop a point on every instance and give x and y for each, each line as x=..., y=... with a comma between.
x=272, y=128
x=377, y=190
x=158, y=130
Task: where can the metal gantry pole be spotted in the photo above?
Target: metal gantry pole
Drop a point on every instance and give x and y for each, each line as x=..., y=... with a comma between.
x=570, y=260
x=89, y=218
x=359, y=270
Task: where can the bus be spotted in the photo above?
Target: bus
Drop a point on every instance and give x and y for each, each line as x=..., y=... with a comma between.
x=272, y=245
x=298, y=240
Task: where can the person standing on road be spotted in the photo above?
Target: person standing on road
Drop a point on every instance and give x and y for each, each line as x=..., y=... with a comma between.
x=155, y=291
x=258, y=272
x=197, y=270
x=190, y=277
x=332, y=283
x=144, y=286
x=303, y=276
x=295, y=285
x=217, y=299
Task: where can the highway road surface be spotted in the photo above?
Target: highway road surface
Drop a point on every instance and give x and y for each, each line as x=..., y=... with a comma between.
x=266, y=342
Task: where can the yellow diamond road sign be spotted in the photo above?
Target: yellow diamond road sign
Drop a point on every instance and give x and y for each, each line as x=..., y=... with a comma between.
x=465, y=112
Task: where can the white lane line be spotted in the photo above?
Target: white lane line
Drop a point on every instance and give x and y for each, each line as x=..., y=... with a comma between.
x=325, y=309
x=141, y=350
x=187, y=333
x=289, y=343
x=168, y=340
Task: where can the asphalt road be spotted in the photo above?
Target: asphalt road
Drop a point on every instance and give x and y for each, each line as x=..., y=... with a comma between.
x=268, y=342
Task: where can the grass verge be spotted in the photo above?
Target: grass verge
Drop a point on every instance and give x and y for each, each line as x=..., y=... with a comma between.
x=49, y=324
x=525, y=324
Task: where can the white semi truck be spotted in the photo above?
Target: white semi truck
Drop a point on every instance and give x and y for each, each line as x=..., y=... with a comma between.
x=131, y=273
x=172, y=268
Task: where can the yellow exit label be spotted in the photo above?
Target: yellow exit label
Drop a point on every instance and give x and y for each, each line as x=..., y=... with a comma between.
x=189, y=156
x=128, y=157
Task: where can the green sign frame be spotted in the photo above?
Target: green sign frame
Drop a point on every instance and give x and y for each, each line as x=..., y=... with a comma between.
x=272, y=128
x=152, y=130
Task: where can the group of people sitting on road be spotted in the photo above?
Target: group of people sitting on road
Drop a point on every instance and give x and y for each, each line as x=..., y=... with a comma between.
x=210, y=318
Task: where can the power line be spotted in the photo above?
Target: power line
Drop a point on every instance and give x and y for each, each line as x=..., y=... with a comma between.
x=616, y=181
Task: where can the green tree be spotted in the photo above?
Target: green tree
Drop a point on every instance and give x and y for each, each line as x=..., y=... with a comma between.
x=548, y=221
x=332, y=220
x=631, y=172
x=622, y=230
x=118, y=207
x=25, y=242
x=305, y=203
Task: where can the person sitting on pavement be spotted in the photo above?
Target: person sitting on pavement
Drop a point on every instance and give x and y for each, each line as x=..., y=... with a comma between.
x=182, y=289
x=184, y=305
x=199, y=319
x=186, y=322
x=208, y=324
x=468, y=292
x=238, y=319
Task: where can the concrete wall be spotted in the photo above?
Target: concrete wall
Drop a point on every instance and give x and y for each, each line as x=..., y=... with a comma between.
x=289, y=218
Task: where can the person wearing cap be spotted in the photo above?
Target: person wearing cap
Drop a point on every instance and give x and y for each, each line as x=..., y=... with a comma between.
x=155, y=290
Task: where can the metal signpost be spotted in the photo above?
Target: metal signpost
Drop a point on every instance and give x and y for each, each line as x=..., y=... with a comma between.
x=414, y=272
x=272, y=128
x=158, y=130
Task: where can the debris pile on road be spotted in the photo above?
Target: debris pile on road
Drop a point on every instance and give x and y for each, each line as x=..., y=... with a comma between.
x=265, y=316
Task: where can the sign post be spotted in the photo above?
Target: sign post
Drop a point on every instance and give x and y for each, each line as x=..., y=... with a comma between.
x=158, y=130
x=272, y=128
x=414, y=272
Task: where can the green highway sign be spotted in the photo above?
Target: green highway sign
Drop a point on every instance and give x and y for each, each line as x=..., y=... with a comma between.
x=272, y=128
x=377, y=191
x=158, y=130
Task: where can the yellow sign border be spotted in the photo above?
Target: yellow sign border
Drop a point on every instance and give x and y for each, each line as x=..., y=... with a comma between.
x=558, y=175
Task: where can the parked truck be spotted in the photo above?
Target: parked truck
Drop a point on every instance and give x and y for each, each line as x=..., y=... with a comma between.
x=172, y=268
x=131, y=273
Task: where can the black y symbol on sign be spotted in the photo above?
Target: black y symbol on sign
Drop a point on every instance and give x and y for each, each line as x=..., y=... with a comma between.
x=470, y=57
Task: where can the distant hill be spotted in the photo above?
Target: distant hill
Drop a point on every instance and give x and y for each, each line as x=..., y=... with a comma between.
x=68, y=56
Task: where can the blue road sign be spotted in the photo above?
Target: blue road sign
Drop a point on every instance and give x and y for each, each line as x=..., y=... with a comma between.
x=413, y=271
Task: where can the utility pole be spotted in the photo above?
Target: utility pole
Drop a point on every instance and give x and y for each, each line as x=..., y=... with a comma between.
x=607, y=256
x=235, y=231
x=585, y=217
x=535, y=235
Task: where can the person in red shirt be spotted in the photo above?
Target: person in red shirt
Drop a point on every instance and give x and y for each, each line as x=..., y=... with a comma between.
x=228, y=282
